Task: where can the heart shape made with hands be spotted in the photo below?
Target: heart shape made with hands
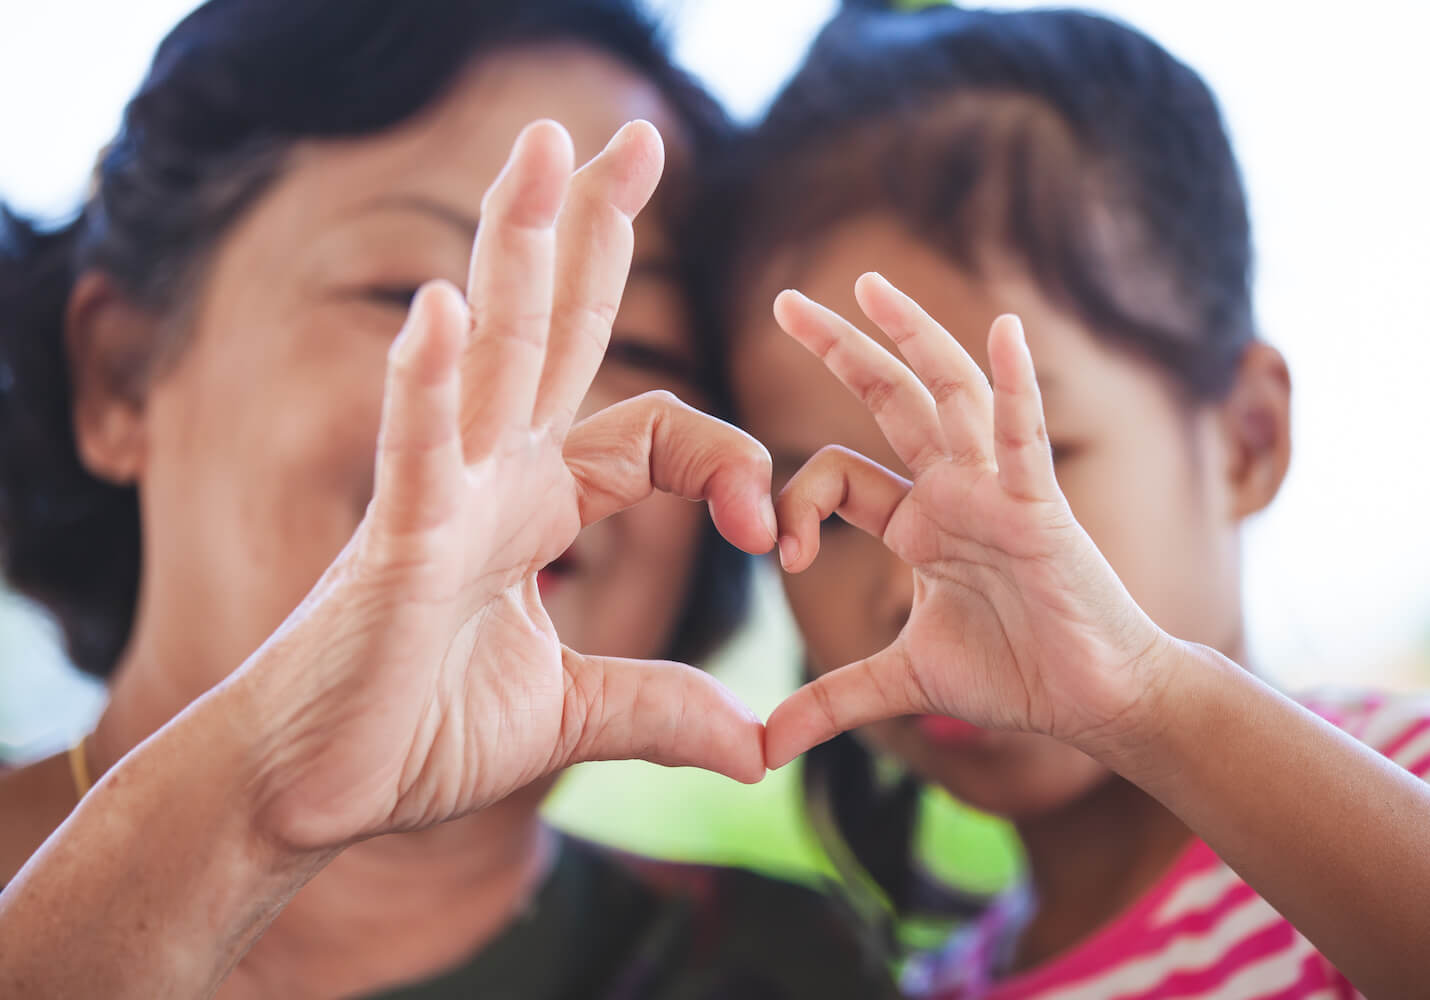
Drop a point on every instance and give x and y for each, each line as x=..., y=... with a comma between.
x=430, y=681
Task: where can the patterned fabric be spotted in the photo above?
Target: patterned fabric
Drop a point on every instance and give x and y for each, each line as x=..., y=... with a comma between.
x=610, y=927
x=1200, y=932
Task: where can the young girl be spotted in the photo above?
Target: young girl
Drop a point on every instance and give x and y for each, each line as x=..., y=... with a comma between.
x=1065, y=168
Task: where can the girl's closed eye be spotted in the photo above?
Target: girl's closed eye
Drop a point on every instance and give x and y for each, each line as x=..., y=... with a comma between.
x=1064, y=451
x=398, y=296
x=383, y=298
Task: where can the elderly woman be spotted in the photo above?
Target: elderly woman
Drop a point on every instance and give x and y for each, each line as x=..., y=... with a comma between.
x=195, y=382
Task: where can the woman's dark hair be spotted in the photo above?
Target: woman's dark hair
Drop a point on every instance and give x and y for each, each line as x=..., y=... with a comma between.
x=1063, y=143
x=230, y=90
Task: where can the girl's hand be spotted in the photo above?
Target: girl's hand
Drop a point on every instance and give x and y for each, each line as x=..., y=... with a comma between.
x=1017, y=622
x=422, y=679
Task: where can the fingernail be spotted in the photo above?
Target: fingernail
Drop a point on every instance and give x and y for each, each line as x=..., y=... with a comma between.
x=789, y=551
x=767, y=513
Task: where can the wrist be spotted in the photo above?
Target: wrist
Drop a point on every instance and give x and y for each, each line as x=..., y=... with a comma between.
x=321, y=774
x=1137, y=698
x=239, y=737
x=1166, y=693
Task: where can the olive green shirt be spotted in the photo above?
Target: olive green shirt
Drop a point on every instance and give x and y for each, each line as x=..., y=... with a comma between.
x=609, y=927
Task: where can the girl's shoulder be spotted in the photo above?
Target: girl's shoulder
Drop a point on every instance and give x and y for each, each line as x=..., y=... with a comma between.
x=1200, y=931
x=1395, y=725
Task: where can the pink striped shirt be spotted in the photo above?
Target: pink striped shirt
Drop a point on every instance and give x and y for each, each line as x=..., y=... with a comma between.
x=1200, y=932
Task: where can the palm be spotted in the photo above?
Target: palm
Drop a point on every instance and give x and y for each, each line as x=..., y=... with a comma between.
x=987, y=588
x=491, y=708
x=438, y=683
x=1016, y=619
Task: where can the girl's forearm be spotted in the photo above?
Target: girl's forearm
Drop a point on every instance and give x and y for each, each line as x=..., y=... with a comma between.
x=160, y=880
x=1327, y=830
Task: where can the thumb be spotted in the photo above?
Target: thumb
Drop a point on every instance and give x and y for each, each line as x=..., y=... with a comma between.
x=871, y=690
x=663, y=712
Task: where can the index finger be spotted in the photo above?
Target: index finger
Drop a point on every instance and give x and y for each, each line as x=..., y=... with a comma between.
x=509, y=285
x=652, y=442
x=899, y=403
x=594, y=243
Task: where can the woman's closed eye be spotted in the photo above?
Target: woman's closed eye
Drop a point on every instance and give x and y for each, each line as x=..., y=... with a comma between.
x=653, y=359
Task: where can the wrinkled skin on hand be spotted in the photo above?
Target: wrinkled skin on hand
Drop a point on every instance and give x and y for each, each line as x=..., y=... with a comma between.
x=432, y=681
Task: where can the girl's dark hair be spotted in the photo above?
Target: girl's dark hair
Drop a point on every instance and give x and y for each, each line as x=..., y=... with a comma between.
x=1065, y=144
x=230, y=90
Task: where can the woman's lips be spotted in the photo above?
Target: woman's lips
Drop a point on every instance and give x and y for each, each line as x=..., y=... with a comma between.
x=948, y=731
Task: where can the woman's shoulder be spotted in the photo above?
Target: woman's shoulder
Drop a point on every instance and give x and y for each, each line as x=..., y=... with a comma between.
x=34, y=799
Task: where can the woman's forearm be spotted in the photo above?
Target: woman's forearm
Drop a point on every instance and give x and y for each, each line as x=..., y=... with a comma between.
x=160, y=880
x=1326, y=829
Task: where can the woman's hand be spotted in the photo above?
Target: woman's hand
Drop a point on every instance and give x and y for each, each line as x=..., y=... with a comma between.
x=1017, y=621
x=422, y=679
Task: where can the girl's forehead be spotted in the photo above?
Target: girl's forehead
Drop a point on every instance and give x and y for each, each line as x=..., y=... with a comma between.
x=826, y=265
x=777, y=381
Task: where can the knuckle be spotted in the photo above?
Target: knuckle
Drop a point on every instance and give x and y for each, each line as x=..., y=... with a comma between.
x=944, y=388
x=824, y=701
x=764, y=465
x=584, y=708
x=666, y=399
x=830, y=456
x=523, y=326
x=598, y=314
x=971, y=456
x=878, y=393
x=1015, y=439
x=750, y=456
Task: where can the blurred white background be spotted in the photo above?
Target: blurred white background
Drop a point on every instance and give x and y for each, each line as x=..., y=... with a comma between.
x=1327, y=106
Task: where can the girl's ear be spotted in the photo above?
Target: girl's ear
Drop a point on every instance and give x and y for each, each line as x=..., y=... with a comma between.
x=109, y=342
x=1256, y=422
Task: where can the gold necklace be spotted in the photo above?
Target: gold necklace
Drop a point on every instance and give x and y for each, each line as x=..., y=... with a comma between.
x=79, y=768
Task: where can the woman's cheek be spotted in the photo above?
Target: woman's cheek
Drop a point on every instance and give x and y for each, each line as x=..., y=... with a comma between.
x=326, y=483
